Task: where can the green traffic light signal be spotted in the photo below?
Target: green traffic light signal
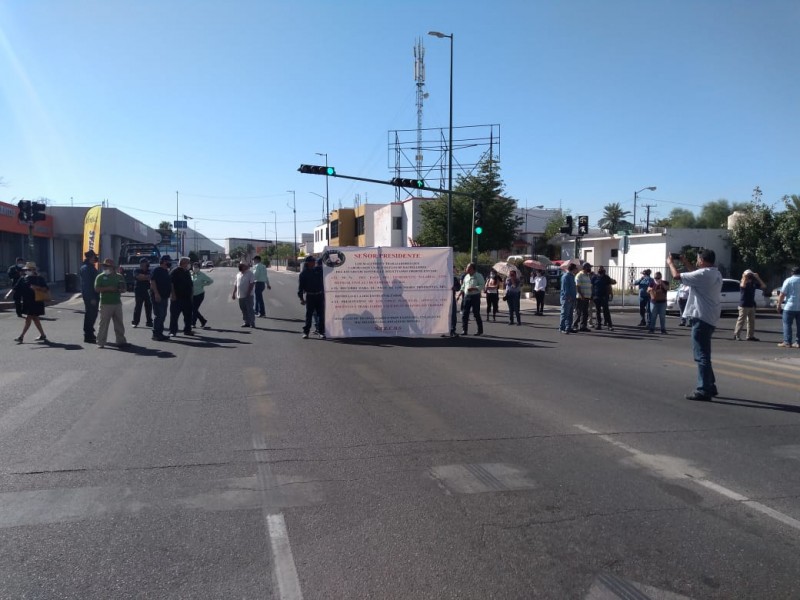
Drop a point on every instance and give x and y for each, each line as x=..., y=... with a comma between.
x=330, y=171
x=478, y=230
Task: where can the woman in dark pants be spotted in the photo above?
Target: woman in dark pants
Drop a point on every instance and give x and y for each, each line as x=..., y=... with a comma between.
x=27, y=287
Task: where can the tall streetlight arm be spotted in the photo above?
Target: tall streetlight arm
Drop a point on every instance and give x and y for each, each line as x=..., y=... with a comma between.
x=652, y=188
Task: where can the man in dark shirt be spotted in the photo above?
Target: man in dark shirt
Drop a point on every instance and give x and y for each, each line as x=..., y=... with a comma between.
x=141, y=290
x=601, y=290
x=160, y=290
x=310, y=283
x=181, y=298
x=91, y=298
x=15, y=273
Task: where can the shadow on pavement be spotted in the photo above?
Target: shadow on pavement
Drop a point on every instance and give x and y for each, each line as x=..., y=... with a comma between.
x=49, y=344
x=745, y=403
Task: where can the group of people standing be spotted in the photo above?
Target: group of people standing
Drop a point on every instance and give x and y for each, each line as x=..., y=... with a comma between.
x=580, y=288
x=180, y=291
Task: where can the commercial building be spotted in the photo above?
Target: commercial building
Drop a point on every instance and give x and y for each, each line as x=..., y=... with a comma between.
x=14, y=241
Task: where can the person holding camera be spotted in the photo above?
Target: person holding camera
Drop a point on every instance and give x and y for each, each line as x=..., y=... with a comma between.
x=747, y=305
x=702, y=310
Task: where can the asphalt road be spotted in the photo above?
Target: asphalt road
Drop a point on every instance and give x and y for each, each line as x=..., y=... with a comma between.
x=522, y=464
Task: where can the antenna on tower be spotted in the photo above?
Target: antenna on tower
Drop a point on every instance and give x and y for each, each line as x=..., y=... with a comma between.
x=419, y=77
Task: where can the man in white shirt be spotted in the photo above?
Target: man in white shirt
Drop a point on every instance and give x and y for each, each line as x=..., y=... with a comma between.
x=539, y=287
x=262, y=281
x=702, y=310
x=243, y=289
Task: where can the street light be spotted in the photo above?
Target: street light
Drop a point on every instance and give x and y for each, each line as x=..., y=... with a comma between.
x=439, y=34
x=327, y=217
x=294, y=211
x=652, y=188
x=327, y=197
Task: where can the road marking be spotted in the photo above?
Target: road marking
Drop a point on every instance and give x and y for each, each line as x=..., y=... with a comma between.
x=763, y=368
x=611, y=587
x=773, y=364
x=19, y=414
x=698, y=478
x=282, y=557
x=791, y=386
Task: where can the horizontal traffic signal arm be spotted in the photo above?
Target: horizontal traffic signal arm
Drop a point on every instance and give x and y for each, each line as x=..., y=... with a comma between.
x=412, y=183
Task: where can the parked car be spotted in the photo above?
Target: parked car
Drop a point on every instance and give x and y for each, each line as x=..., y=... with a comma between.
x=208, y=265
x=729, y=298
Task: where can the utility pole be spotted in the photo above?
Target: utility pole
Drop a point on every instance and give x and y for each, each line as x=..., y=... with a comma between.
x=294, y=241
x=647, y=222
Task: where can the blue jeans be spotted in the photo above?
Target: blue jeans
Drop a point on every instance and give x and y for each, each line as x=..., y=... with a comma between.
x=701, y=347
x=260, y=308
x=658, y=310
x=159, y=315
x=789, y=317
x=567, y=311
x=513, y=307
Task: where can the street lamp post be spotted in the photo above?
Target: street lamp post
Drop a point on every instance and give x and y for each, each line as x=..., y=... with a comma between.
x=327, y=199
x=294, y=212
x=327, y=217
x=652, y=188
x=275, y=244
x=439, y=34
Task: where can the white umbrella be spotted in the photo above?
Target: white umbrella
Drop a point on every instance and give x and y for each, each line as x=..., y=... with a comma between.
x=504, y=268
x=572, y=261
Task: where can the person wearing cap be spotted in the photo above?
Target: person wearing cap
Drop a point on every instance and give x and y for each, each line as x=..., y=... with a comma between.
x=91, y=299
x=747, y=305
x=311, y=291
x=110, y=285
x=602, y=285
x=643, y=283
x=181, y=298
x=262, y=281
x=658, y=303
x=789, y=303
x=702, y=310
x=141, y=292
x=26, y=287
x=243, y=290
x=15, y=273
x=160, y=291
x=567, y=295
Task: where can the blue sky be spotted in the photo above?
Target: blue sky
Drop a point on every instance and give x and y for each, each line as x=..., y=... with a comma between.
x=131, y=101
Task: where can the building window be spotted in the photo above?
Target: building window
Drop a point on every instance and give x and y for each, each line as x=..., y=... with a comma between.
x=335, y=228
x=614, y=252
x=360, y=225
x=397, y=223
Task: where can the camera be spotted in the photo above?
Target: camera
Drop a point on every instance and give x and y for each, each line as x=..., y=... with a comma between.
x=674, y=256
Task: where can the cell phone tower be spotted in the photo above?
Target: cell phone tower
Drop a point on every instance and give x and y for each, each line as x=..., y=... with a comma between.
x=419, y=77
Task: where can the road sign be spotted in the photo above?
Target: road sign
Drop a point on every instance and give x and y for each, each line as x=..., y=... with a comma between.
x=625, y=244
x=181, y=225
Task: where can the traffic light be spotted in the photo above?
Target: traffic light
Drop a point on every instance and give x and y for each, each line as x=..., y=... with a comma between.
x=317, y=170
x=408, y=183
x=37, y=211
x=24, y=210
x=478, y=217
x=583, y=225
x=568, y=225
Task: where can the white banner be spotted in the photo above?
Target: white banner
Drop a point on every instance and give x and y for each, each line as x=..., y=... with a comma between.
x=387, y=292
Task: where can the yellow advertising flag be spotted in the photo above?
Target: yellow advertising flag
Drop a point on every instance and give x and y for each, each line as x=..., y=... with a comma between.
x=91, y=230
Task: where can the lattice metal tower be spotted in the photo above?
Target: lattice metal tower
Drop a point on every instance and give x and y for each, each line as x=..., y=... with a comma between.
x=419, y=77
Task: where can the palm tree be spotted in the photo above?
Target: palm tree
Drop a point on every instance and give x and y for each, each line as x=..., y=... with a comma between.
x=613, y=217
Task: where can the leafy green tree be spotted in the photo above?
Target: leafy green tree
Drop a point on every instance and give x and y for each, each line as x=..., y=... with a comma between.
x=613, y=217
x=678, y=218
x=755, y=238
x=714, y=214
x=787, y=229
x=238, y=253
x=165, y=226
x=499, y=222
